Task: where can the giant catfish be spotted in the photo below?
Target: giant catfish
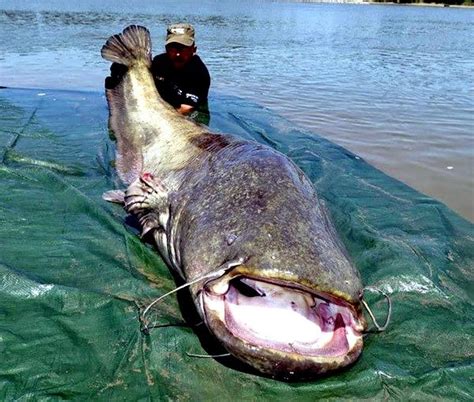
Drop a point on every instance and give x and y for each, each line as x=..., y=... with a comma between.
x=241, y=224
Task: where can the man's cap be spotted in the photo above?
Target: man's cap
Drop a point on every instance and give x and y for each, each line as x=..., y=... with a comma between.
x=180, y=33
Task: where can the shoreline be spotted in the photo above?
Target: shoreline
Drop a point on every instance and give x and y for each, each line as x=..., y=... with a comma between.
x=387, y=3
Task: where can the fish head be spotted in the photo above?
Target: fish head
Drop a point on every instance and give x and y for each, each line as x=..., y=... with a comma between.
x=280, y=325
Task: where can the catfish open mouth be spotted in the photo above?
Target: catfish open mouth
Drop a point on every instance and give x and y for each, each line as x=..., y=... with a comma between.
x=296, y=329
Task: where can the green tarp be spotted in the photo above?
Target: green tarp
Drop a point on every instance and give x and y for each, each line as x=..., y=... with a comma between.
x=74, y=274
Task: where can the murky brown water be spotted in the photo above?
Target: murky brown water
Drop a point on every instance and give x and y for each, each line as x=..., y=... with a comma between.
x=393, y=84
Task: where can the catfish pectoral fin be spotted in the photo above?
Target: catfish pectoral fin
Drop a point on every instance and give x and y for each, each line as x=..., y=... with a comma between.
x=116, y=196
x=147, y=198
x=144, y=194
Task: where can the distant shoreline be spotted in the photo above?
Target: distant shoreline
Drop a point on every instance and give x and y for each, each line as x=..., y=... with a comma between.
x=421, y=4
x=466, y=4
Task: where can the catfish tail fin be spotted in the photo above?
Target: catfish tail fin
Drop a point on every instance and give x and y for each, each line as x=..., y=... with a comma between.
x=132, y=45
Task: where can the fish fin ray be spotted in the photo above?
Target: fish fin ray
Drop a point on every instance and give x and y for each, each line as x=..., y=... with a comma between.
x=132, y=45
x=116, y=196
x=147, y=198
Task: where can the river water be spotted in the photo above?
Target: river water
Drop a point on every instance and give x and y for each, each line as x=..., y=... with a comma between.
x=393, y=84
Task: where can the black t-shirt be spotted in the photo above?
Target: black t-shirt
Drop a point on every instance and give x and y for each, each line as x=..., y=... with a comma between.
x=189, y=85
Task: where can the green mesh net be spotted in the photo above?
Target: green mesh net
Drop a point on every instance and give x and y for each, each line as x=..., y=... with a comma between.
x=74, y=275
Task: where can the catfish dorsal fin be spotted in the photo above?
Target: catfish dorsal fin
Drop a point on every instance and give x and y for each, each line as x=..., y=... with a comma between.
x=132, y=45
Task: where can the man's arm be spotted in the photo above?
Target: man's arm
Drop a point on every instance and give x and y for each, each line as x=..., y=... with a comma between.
x=196, y=94
x=117, y=71
x=187, y=97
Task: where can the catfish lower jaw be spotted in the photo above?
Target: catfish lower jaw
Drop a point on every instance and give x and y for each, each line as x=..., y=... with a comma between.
x=281, y=330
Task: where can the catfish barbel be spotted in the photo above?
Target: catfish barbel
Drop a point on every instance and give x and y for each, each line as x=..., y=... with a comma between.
x=239, y=222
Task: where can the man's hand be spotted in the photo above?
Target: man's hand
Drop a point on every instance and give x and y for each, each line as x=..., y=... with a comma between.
x=185, y=109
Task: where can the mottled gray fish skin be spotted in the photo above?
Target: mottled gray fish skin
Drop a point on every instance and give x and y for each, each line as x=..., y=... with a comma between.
x=211, y=200
x=258, y=199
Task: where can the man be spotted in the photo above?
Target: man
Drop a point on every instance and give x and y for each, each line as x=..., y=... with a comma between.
x=182, y=79
x=180, y=76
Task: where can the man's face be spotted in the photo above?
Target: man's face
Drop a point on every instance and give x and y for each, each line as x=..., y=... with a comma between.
x=179, y=54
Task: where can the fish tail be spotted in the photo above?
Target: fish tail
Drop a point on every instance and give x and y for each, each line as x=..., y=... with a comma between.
x=132, y=45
